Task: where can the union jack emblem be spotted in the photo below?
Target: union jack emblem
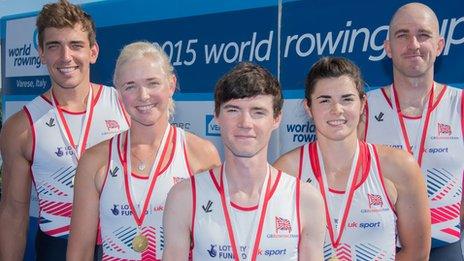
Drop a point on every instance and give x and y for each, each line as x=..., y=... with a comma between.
x=444, y=129
x=112, y=124
x=177, y=179
x=283, y=224
x=374, y=200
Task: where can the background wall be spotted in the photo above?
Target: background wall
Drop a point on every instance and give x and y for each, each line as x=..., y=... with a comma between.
x=206, y=38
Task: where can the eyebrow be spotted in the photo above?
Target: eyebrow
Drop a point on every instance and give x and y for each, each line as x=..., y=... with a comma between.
x=230, y=106
x=347, y=95
x=425, y=31
x=77, y=42
x=58, y=42
x=51, y=42
x=128, y=83
x=401, y=31
x=152, y=79
x=328, y=96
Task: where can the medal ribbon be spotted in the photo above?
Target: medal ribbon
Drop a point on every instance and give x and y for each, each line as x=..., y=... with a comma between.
x=263, y=202
x=64, y=126
x=155, y=171
x=417, y=151
x=317, y=163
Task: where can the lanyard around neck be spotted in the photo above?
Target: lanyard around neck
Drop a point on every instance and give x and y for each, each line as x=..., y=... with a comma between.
x=417, y=148
x=142, y=206
x=79, y=148
x=261, y=211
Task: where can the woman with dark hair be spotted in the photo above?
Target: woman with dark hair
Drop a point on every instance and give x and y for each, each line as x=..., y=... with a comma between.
x=370, y=192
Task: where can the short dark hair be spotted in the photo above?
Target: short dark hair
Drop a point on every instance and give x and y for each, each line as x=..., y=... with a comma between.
x=64, y=14
x=333, y=67
x=248, y=80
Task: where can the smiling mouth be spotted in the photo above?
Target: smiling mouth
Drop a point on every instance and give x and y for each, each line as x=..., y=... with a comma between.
x=66, y=70
x=336, y=122
x=145, y=108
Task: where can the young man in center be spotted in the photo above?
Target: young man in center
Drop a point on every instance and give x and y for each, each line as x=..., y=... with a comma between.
x=245, y=209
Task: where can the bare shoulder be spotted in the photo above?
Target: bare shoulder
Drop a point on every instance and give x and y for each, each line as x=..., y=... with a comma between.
x=289, y=162
x=397, y=165
x=16, y=135
x=196, y=144
x=97, y=153
x=310, y=196
x=312, y=210
x=181, y=191
x=93, y=164
x=201, y=153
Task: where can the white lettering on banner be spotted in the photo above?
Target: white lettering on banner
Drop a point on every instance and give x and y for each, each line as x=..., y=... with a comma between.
x=302, y=133
x=37, y=83
x=22, y=56
x=235, y=51
x=259, y=48
x=449, y=40
x=342, y=41
x=21, y=50
x=176, y=49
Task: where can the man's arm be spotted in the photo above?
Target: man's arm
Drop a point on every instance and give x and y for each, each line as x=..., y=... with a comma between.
x=412, y=206
x=87, y=185
x=313, y=225
x=201, y=154
x=289, y=162
x=177, y=220
x=16, y=148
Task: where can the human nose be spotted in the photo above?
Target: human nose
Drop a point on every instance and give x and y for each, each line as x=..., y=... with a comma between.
x=413, y=43
x=245, y=120
x=66, y=54
x=336, y=108
x=143, y=93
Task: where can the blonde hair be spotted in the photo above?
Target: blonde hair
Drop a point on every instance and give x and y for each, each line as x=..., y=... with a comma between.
x=141, y=49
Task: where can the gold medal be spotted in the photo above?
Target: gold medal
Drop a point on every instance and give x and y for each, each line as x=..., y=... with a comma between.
x=140, y=243
x=333, y=258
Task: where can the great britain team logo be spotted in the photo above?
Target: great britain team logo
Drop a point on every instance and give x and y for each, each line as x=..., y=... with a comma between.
x=282, y=224
x=444, y=129
x=176, y=180
x=444, y=132
x=374, y=200
x=112, y=125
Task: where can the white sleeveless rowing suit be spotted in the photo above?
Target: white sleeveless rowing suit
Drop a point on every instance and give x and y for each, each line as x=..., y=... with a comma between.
x=53, y=167
x=280, y=233
x=118, y=227
x=370, y=230
x=443, y=156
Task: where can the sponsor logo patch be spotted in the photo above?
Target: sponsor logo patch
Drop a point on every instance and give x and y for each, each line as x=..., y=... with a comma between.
x=282, y=224
x=50, y=122
x=208, y=206
x=212, y=129
x=374, y=200
x=444, y=132
x=444, y=129
x=177, y=179
x=112, y=125
x=379, y=117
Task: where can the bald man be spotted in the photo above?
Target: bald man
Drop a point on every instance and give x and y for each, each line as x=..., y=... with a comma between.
x=425, y=118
